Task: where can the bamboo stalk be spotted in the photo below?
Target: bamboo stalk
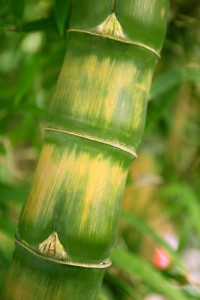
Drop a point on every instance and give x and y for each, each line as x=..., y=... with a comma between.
x=69, y=223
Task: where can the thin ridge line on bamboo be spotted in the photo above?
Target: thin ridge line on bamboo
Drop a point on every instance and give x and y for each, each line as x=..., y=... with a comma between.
x=129, y=42
x=105, y=264
x=96, y=139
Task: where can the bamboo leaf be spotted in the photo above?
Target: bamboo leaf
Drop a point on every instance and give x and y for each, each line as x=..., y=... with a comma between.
x=46, y=24
x=7, y=226
x=193, y=73
x=18, y=8
x=145, y=229
x=121, y=285
x=6, y=245
x=165, y=82
x=135, y=266
x=186, y=199
x=4, y=267
x=26, y=79
x=105, y=294
x=10, y=193
x=61, y=10
x=158, y=108
x=4, y=6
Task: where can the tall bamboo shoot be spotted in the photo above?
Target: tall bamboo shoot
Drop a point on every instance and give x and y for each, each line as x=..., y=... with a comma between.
x=69, y=223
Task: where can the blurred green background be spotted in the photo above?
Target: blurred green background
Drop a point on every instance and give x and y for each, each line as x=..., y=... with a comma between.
x=158, y=251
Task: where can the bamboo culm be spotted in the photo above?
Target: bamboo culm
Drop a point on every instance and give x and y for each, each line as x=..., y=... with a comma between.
x=69, y=223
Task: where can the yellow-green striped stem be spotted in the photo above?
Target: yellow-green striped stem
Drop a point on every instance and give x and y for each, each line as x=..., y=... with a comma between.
x=68, y=226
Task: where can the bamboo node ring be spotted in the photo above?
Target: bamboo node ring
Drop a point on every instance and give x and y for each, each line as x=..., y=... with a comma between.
x=63, y=261
x=114, y=144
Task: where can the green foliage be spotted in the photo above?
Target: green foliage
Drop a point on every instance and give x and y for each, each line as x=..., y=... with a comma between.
x=30, y=60
x=18, y=8
x=165, y=81
x=136, y=266
x=61, y=10
x=142, y=227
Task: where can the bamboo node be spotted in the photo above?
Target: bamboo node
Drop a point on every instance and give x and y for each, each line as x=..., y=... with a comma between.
x=108, y=142
x=111, y=27
x=52, y=247
x=116, y=38
x=65, y=260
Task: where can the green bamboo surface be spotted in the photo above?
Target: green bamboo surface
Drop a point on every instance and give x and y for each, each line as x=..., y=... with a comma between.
x=69, y=223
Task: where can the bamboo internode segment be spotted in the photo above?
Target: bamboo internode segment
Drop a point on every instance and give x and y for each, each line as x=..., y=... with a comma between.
x=87, y=180
x=115, y=78
x=95, y=123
